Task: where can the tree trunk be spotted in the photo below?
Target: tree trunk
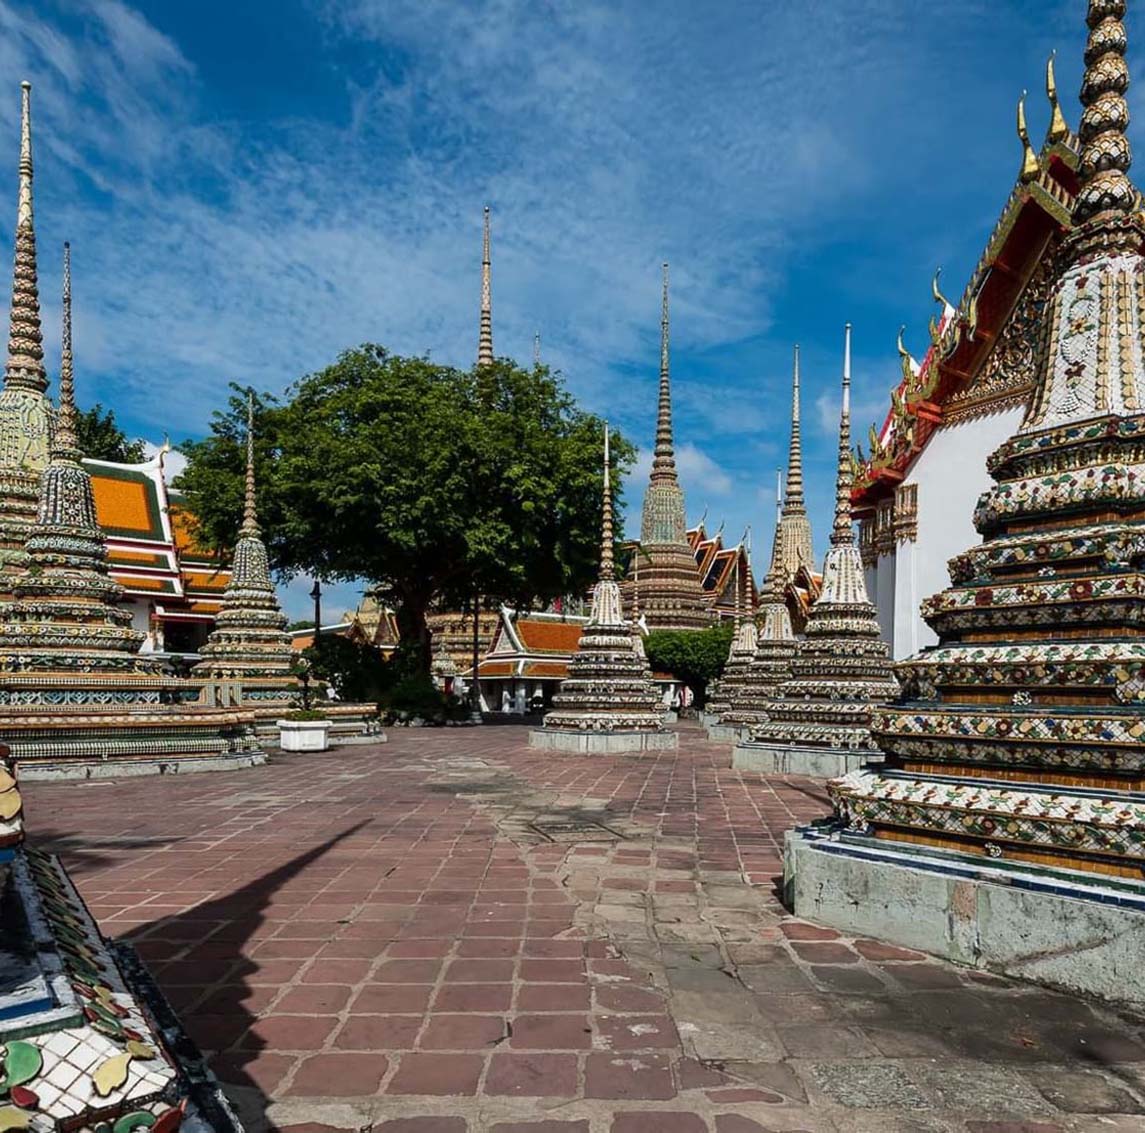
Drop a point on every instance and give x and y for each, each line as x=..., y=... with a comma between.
x=413, y=631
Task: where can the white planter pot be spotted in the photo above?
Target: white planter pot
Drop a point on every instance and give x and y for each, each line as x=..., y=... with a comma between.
x=304, y=735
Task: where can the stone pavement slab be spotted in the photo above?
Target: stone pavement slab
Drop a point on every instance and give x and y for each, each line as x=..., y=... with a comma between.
x=385, y=938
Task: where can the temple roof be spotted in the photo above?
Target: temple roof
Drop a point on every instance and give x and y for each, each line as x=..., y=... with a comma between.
x=151, y=549
x=961, y=374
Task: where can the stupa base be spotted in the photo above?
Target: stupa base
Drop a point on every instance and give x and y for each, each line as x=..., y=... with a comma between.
x=790, y=759
x=720, y=732
x=1062, y=928
x=50, y=768
x=602, y=743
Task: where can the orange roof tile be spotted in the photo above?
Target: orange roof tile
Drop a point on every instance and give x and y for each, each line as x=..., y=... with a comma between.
x=548, y=637
x=126, y=507
x=556, y=669
x=496, y=668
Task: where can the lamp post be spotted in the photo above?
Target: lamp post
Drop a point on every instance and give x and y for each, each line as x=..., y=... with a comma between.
x=316, y=594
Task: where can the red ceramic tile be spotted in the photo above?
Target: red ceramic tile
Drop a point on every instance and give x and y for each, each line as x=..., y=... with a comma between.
x=473, y=997
x=339, y=1075
x=463, y=1032
x=437, y=1074
x=532, y=1075
x=551, y=1032
x=378, y=1032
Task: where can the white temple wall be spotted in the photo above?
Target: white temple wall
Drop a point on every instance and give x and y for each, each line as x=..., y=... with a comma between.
x=950, y=474
x=883, y=595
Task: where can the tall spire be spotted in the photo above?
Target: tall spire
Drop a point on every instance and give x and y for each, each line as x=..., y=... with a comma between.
x=536, y=349
x=664, y=458
x=250, y=517
x=65, y=443
x=25, y=364
x=793, y=503
x=1105, y=153
x=607, y=570
x=843, y=533
x=485, y=335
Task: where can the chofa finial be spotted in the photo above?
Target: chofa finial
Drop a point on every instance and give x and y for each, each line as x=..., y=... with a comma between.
x=1058, y=129
x=1030, y=166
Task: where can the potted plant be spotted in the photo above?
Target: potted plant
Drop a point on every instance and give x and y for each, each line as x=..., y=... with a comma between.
x=305, y=728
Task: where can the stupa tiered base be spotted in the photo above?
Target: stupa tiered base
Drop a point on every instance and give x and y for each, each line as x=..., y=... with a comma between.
x=91, y=726
x=602, y=742
x=1076, y=931
x=270, y=698
x=797, y=759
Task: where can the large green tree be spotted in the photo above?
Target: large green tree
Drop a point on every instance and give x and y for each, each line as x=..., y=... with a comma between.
x=694, y=656
x=101, y=438
x=431, y=484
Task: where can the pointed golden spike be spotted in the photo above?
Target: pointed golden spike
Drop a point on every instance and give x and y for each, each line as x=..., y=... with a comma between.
x=1030, y=166
x=1058, y=130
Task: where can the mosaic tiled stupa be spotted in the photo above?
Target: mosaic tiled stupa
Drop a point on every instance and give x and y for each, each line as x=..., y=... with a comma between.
x=86, y=1042
x=74, y=690
x=775, y=648
x=249, y=645
x=1009, y=819
x=793, y=547
x=819, y=722
x=607, y=702
x=249, y=642
x=671, y=596
x=741, y=651
x=26, y=414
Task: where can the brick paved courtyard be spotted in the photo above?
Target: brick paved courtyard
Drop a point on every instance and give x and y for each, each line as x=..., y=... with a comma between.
x=384, y=938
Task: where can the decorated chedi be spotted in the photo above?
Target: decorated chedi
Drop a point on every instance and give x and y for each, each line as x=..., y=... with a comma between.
x=26, y=415
x=1010, y=816
x=66, y=608
x=86, y=1041
x=820, y=720
x=249, y=650
x=775, y=647
x=76, y=691
x=249, y=642
x=741, y=653
x=606, y=703
x=793, y=550
x=670, y=596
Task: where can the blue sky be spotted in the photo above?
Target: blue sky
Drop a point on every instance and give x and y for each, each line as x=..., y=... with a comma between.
x=251, y=187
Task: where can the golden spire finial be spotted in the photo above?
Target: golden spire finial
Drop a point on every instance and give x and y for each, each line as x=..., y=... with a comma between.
x=25, y=365
x=906, y=361
x=1058, y=129
x=1030, y=167
x=485, y=332
x=1105, y=152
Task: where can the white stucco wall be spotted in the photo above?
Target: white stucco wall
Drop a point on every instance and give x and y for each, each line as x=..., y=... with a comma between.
x=950, y=474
